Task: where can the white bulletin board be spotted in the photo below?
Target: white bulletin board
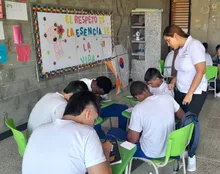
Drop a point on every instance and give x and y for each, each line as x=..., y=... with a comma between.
x=68, y=39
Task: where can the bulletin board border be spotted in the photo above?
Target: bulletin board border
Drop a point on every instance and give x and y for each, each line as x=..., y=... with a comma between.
x=62, y=10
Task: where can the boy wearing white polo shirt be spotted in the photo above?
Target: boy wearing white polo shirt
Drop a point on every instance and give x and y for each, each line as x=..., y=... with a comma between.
x=208, y=58
x=102, y=86
x=154, y=116
x=155, y=82
x=69, y=145
x=52, y=105
x=168, y=64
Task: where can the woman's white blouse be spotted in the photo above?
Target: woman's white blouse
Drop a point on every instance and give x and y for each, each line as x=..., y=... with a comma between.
x=192, y=53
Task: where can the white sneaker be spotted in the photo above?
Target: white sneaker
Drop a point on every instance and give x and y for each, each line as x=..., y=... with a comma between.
x=191, y=167
x=218, y=94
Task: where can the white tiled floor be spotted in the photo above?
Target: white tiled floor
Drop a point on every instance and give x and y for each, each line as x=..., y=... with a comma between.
x=208, y=154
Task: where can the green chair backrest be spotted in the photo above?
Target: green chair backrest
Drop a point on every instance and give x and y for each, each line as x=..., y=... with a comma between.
x=161, y=66
x=18, y=136
x=178, y=141
x=211, y=72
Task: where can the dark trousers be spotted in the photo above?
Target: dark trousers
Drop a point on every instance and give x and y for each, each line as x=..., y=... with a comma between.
x=114, y=110
x=196, y=104
x=121, y=135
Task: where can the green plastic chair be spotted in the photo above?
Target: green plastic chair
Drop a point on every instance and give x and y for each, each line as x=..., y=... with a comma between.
x=18, y=136
x=161, y=66
x=178, y=140
x=211, y=76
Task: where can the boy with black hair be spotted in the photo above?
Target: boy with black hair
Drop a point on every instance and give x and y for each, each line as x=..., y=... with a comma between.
x=155, y=124
x=208, y=58
x=69, y=145
x=52, y=105
x=102, y=86
x=155, y=82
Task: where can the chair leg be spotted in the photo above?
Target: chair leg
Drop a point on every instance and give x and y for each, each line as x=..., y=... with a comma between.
x=156, y=169
x=215, y=89
x=129, y=166
x=126, y=170
x=110, y=122
x=184, y=165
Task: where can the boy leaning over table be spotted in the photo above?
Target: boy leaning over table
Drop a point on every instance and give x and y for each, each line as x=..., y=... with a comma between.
x=101, y=86
x=152, y=120
x=69, y=145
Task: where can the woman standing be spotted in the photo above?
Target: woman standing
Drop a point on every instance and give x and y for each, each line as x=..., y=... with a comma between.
x=190, y=80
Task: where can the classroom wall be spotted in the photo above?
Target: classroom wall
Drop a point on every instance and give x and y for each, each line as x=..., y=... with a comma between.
x=205, y=22
x=19, y=88
x=160, y=4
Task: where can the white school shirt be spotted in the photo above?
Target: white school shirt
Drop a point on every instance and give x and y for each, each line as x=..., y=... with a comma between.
x=155, y=117
x=162, y=89
x=192, y=53
x=88, y=82
x=47, y=109
x=208, y=59
x=168, y=64
x=63, y=146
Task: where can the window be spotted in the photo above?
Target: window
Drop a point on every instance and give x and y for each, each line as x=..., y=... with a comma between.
x=180, y=13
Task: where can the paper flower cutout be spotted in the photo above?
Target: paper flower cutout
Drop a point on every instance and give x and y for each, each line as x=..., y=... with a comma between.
x=60, y=31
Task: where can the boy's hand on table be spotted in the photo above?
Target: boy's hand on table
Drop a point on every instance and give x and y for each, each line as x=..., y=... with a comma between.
x=107, y=147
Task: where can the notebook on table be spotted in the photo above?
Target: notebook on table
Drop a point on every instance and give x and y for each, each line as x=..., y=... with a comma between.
x=115, y=156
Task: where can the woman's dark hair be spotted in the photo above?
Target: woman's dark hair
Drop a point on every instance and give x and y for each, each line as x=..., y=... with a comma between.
x=205, y=44
x=78, y=102
x=151, y=74
x=170, y=30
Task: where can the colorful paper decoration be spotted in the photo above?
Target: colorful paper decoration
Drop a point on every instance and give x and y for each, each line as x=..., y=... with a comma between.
x=2, y=34
x=1, y=13
x=120, y=68
x=3, y=53
x=18, y=39
x=16, y=10
x=23, y=53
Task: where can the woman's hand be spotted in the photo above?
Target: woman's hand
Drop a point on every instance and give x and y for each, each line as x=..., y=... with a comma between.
x=187, y=100
x=172, y=83
x=170, y=86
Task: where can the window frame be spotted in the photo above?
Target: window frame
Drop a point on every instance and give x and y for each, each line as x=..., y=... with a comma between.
x=189, y=18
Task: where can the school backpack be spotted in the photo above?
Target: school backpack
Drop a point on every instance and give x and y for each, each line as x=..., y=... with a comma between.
x=188, y=118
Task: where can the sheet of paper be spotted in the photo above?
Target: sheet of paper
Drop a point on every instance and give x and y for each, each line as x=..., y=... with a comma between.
x=1, y=14
x=23, y=53
x=129, y=110
x=129, y=96
x=128, y=145
x=16, y=10
x=2, y=34
x=3, y=53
